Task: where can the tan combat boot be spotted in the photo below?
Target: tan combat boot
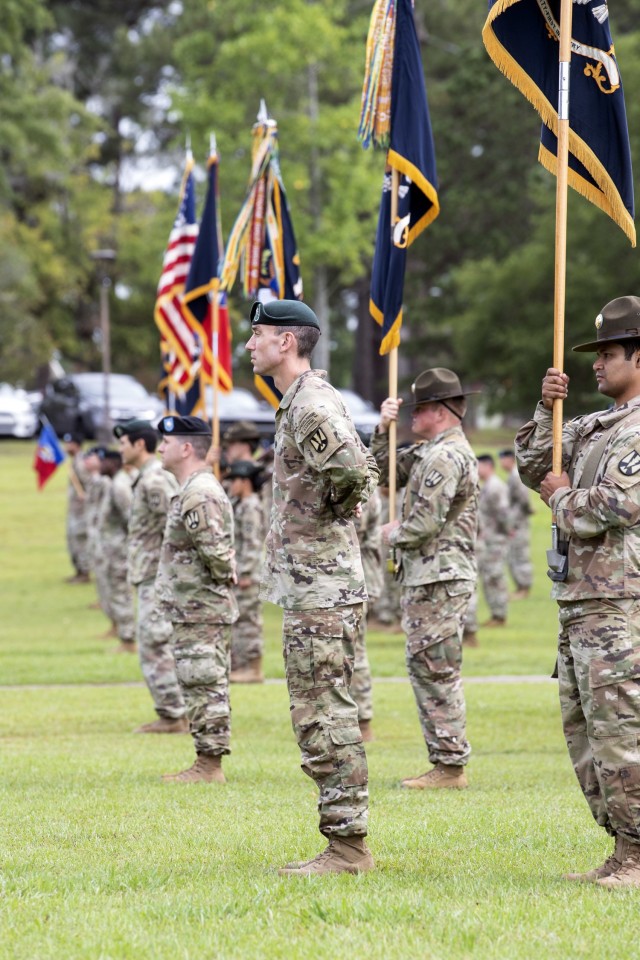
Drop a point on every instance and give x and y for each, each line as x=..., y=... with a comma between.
x=206, y=769
x=250, y=673
x=611, y=865
x=110, y=633
x=495, y=622
x=366, y=730
x=443, y=776
x=165, y=725
x=126, y=646
x=343, y=855
x=470, y=639
x=628, y=873
x=520, y=594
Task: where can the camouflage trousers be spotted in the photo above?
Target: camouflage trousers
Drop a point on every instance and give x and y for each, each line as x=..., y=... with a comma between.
x=77, y=544
x=519, y=557
x=247, y=639
x=386, y=608
x=492, y=557
x=432, y=618
x=599, y=686
x=153, y=633
x=120, y=602
x=201, y=652
x=361, y=687
x=318, y=648
x=100, y=565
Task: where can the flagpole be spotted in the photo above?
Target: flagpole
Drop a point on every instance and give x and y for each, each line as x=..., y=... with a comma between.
x=566, y=14
x=215, y=371
x=393, y=366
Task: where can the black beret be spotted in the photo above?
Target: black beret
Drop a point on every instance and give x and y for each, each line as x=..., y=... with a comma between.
x=98, y=451
x=131, y=427
x=283, y=313
x=73, y=437
x=246, y=469
x=184, y=427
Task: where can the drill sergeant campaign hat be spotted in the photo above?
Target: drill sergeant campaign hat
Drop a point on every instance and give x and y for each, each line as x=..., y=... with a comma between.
x=283, y=313
x=435, y=385
x=243, y=430
x=617, y=321
x=132, y=428
x=184, y=427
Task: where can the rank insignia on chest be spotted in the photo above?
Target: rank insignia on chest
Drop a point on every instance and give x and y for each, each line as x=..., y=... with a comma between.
x=192, y=519
x=630, y=464
x=319, y=440
x=433, y=478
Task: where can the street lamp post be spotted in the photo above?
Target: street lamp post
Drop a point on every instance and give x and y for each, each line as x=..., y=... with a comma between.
x=104, y=259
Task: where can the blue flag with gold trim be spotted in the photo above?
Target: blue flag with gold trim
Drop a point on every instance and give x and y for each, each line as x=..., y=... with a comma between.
x=521, y=37
x=411, y=152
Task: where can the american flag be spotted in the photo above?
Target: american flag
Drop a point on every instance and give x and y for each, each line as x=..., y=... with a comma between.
x=181, y=363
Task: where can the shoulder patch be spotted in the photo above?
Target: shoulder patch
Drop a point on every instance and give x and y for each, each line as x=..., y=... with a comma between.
x=192, y=519
x=155, y=500
x=433, y=478
x=629, y=465
x=319, y=440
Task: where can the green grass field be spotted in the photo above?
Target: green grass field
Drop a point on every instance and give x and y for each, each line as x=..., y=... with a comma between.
x=101, y=860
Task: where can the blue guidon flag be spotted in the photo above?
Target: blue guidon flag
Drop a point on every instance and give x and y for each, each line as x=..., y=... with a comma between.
x=522, y=38
x=410, y=150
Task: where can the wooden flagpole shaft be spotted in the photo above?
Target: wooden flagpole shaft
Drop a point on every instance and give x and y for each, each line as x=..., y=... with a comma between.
x=393, y=366
x=215, y=426
x=561, y=220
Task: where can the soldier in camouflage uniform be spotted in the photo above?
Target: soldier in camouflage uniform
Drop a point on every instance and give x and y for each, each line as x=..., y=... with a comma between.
x=322, y=472
x=247, y=639
x=435, y=542
x=113, y=522
x=520, y=510
x=369, y=531
x=96, y=488
x=596, y=505
x=491, y=550
x=77, y=509
x=194, y=584
x=152, y=492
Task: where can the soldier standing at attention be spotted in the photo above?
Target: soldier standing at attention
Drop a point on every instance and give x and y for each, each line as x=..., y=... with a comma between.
x=113, y=523
x=322, y=472
x=195, y=586
x=247, y=638
x=77, y=509
x=436, y=541
x=596, y=574
x=520, y=510
x=152, y=492
x=97, y=487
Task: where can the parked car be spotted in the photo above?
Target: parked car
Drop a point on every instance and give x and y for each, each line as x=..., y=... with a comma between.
x=365, y=416
x=76, y=402
x=241, y=404
x=18, y=418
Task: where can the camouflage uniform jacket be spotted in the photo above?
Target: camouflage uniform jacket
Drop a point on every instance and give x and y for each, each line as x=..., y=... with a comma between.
x=77, y=493
x=194, y=580
x=437, y=535
x=494, y=510
x=248, y=516
x=97, y=489
x=152, y=492
x=322, y=470
x=113, y=518
x=369, y=530
x=602, y=522
x=519, y=503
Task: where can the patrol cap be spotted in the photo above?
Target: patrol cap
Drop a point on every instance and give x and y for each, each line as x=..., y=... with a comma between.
x=283, y=313
x=97, y=451
x=73, y=437
x=131, y=427
x=184, y=427
x=436, y=384
x=245, y=469
x=618, y=320
x=243, y=430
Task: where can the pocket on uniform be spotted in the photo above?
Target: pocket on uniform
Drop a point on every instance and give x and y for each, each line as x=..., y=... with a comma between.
x=200, y=671
x=616, y=695
x=343, y=735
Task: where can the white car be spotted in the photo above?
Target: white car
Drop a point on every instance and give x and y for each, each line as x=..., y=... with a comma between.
x=17, y=416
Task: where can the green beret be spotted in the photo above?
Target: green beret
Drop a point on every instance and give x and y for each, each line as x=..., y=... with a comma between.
x=283, y=313
x=132, y=427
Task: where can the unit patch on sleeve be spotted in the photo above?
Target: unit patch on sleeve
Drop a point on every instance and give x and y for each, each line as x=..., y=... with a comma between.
x=192, y=519
x=433, y=478
x=629, y=465
x=319, y=440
